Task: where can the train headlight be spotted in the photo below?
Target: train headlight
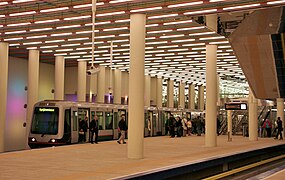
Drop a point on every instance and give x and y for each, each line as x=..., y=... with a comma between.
x=33, y=139
x=53, y=140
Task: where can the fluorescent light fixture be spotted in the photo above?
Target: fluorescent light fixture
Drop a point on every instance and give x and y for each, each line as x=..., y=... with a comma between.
x=15, y=32
x=13, y=39
x=63, y=50
x=201, y=12
x=111, y=13
x=54, y=41
x=88, y=5
x=22, y=1
x=115, y=29
x=85, y=32
x=61, y=54
x=183, y=40
x=71, y=57
x=32, y=48
x=41, y=29
x=219, y=42
x=162, y=16
x=47, y=47
x=68, y=45
x=65, y=27
x=200, y=34
x=46, y=21
x=177, y=50
x=19, y=24
x=124, y=34
x=14, y=44
x=1, y=16
x=151, y=25
x=78, y=39
x=3, y=3
x=172, y=36
x=122, y=20
x=217, y=0
x=211, y=38
x=156, y=51
x=98, y=23
x=54, y=9
x=146, y=9
x=77, y=17
x=241, y=7
x=185, y=4
x=61, y=34
x=22, y=13
x=77, y=53
x=178, y=22
x=272, y=2
x=159, y=42
x=34, y=37
x=161, y=31
x=191, y=28
x=171, y=46
x=165, y=54
x=48, y=51
x=31, y=43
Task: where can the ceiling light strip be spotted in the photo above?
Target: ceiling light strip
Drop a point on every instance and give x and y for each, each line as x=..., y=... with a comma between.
x=185, y=4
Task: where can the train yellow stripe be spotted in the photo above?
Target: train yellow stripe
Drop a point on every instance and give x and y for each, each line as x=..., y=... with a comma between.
x=234, y=171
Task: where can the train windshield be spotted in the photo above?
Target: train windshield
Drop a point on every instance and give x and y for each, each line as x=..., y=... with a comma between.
x=45, y=120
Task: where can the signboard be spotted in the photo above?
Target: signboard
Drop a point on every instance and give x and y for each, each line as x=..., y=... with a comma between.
x=236, y=106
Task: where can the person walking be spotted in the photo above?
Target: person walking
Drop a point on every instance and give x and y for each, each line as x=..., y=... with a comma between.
x=279, y=129
x=267, y=126
x=123, y=128
x=94, y=129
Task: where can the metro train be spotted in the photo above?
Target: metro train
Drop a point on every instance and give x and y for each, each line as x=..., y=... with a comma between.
x=56, y=122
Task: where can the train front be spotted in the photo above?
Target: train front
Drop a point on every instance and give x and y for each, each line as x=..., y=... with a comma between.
x=45, y=129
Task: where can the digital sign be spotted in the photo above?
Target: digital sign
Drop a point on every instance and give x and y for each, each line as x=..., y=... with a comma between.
x=235, y=106
x=46, y=110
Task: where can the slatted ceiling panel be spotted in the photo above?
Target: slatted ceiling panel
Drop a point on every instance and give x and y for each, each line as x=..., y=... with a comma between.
x=72, y=37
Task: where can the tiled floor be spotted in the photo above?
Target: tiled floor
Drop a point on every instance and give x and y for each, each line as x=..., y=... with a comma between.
x=109, y=159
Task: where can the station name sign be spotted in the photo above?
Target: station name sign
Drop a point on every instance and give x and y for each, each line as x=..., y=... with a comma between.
x=235, y=106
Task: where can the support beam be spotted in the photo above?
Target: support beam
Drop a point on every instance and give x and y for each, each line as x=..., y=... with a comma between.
x=59, y=78
x=81, y=88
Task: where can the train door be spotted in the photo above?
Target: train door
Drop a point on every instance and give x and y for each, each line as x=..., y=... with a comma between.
x=116, y=119
x=149, y=124
x=74, y=125
x=159, y=123
x=84, y=115
x=109, y=125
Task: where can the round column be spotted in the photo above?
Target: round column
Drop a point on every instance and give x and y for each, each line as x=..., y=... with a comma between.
x=118, y=86
x=280, y=111
x=136, y=86
x=101, y=84
x=4, y=51
x=59, y=78
x=182, y=95
x=211, y=96
x=170, y=93
x=147, y=90
x=33, y=85
x=230, y=124
x=201, y=105
x=191, y=96
x=253, y=121
x=158, y=92
x=81, y=88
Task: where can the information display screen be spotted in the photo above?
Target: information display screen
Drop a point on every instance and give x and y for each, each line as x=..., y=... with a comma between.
x=236, y=106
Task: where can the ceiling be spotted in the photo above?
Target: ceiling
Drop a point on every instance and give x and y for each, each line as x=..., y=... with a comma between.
x=175, y=42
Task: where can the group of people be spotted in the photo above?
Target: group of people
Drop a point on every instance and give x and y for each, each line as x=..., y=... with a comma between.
x=182, y=126
x=94, y=130
x=267, y=126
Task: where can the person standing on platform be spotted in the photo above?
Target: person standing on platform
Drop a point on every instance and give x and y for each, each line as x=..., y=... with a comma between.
x=167, y=126
x=267, y=126
x=172, y=123
x=94, y=129
x=189, y=127
x=279, y=128
x=184, y=126
x=123, y=128
x=149, y=126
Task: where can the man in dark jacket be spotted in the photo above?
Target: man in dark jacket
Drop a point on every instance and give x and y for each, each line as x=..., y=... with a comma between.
x=94, y=129
x=123, y=128
x=279, y=128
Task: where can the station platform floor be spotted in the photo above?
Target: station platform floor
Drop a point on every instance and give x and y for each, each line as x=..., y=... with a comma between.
x=108, y=160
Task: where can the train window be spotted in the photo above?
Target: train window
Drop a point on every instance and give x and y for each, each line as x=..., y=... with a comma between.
x=116, y=119
x=75, y=121
x=100, y=119
x=109, y=120
x=67, y=124
x=45, y=120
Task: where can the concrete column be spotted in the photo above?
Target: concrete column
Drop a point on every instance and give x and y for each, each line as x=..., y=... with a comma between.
x=118, y=86
x=136, y=86
x=33, y=85
x=211, y=22
x=211, y=96
x=191, y=96
x=101, y=84
x=280, y=111
x=59, y=78
x=230, y=125
x=159, y=92
x=170, y=93
x=147, y=90
x=93, y=86
x=4, y=52
x=81, y=88
x=253, y=121
x=181, y=95
x=201, y=104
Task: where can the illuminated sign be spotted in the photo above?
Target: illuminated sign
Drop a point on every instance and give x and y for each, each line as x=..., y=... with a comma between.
x=236, y=106
x=46, y=110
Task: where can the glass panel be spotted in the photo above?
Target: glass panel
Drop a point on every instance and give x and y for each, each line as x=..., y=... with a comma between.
x=67, y=122
x=145, y=120
x=108, y=120
x=45, y=120
x=75, y=121
x=100, y=119
x=116, y=119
